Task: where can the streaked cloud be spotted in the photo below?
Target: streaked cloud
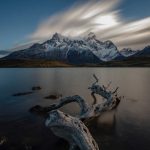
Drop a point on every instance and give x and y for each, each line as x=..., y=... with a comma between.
x=102, y=17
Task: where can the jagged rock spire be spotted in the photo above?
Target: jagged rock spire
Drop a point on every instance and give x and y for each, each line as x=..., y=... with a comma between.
x=57, y=36
x=91, y=35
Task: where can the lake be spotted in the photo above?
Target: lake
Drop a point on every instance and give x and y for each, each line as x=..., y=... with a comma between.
x=126, y=128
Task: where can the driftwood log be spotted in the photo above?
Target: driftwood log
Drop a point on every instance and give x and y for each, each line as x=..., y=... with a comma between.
x=73, y=129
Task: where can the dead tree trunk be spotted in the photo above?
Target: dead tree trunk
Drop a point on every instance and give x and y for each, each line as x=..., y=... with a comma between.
x=72, y=128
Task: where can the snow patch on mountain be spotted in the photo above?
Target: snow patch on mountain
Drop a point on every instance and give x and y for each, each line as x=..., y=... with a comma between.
x=128, y=52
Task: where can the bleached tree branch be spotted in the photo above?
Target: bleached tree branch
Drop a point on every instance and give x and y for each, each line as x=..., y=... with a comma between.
x=72, y=128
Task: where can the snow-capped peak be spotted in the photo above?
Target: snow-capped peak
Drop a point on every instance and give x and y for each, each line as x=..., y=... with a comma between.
x=91, y=35
x=128, y=52
x=105, y=51
x=57, y=37
x=109, y=44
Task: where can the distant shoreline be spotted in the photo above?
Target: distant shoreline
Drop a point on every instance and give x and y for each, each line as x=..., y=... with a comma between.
x=132, y=62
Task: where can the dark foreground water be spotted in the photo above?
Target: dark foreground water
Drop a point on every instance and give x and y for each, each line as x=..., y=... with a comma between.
x=127, y=128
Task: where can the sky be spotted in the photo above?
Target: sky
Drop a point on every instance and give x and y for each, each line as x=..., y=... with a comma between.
x=24, y=22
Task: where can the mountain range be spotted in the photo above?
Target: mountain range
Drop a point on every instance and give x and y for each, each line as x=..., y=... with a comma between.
x=86, y=50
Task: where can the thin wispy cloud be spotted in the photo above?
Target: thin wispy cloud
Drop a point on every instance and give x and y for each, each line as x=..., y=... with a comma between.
x=102, y=17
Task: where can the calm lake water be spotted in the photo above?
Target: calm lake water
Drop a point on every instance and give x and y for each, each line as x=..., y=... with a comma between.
x=127, y=128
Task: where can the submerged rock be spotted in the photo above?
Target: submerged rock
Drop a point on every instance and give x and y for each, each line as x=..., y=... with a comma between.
x=22, y=93
x=35, y=88
x=53, y=96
